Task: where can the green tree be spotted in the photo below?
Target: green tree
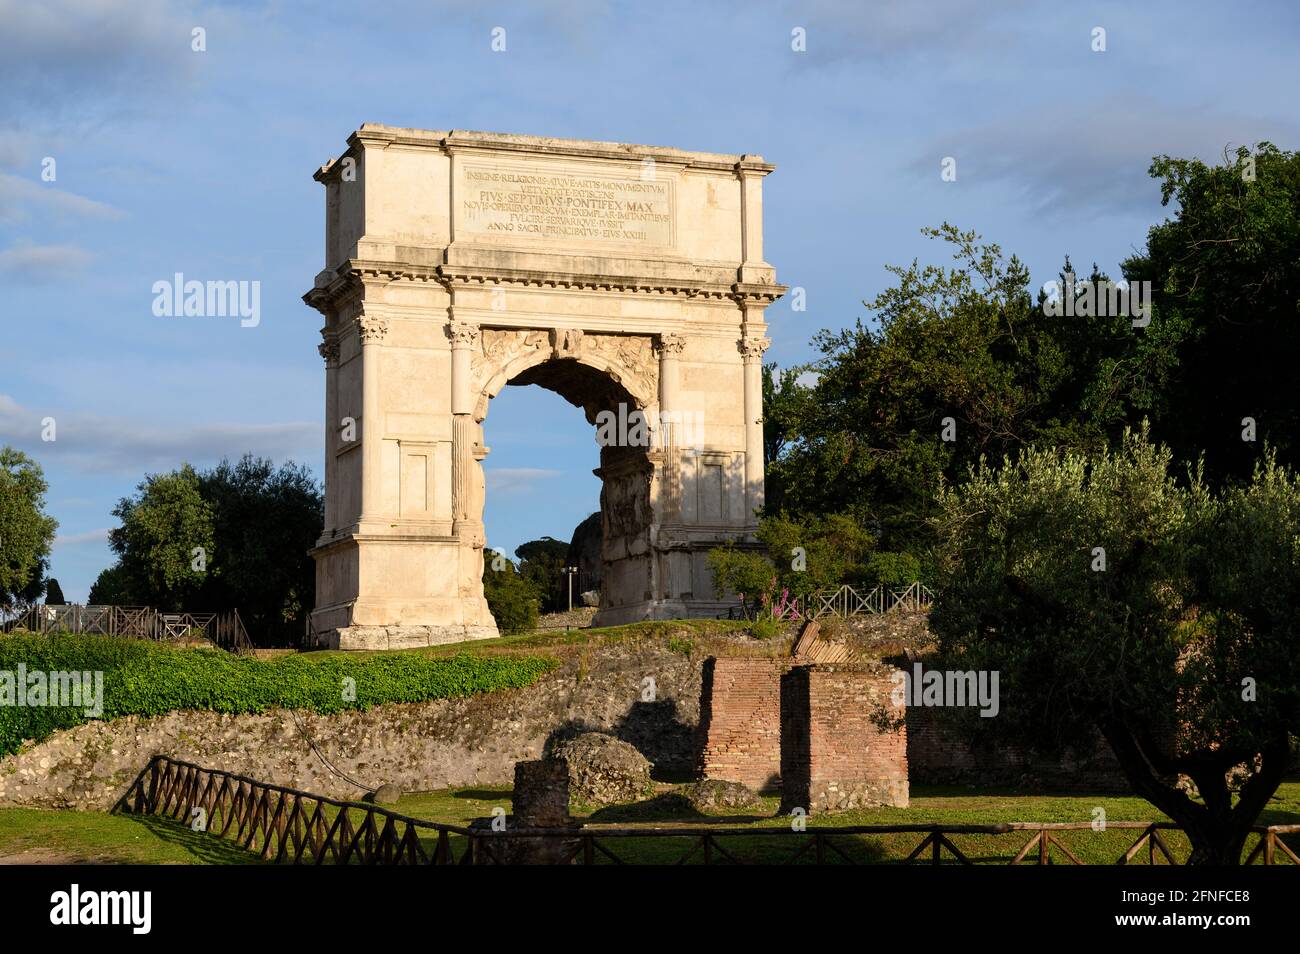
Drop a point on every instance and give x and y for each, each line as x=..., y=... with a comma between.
x=165, y=542
x=1113, y=599
x=799, y=555
x=962, y=362
x=513, y=600
x=54, y=593
x=785, y=405
x=950, y=372
x=236, y=536
x=1225, y=276
x=111, y=589
x=541, y=563
x=264, y=521
x=813, y=553
x=26, y=531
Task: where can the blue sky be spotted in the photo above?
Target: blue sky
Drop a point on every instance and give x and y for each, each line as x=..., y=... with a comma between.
x=170, y=160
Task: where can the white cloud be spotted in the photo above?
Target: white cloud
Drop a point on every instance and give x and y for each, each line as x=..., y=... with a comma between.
x=95, y=444
x=894, y=29
x=75, y=539
x=65, y=51
x=1084, y=163
x=18, y=195
x=516, y=480
x=42, y=262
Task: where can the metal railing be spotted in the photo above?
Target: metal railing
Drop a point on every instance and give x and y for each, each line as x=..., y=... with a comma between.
x=289, y=826
x=845, y=602
x=225, y=629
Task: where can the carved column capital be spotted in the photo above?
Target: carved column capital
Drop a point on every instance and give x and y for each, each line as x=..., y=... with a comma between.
x=752, y=348
x=671, y=346
x=463, y=334
x=329, y=348
x=371, y=328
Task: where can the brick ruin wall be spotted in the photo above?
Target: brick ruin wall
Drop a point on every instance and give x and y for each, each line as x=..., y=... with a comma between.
x=811, y=734
x=807, y=731
x=852, y=761
x=740, y=720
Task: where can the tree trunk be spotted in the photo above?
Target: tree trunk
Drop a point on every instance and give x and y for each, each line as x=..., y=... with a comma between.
x=1216, y=829
x=1213, y=844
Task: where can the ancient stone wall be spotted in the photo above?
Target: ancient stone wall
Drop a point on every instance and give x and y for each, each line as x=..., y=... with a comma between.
x=741, y=720
x=815, y=733
x=850, y=758
x=725, y=716
x=418, y=746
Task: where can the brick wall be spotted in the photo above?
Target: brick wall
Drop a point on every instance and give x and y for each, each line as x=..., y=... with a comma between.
x=806, y=731
x=847, y=758
x=740, y=716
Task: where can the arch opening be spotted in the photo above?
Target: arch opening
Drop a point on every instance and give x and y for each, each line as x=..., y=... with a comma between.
x=625, y=436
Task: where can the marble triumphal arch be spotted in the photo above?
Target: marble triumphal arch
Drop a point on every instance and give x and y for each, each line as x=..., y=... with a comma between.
x=625, y=278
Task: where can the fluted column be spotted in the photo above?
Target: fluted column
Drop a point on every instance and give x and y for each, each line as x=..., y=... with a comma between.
x=371, y=331
x=467, y=524
x=670, y=349
x=329, y=350
x=751, y=350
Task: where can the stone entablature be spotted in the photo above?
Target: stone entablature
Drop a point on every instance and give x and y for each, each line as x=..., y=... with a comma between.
x=615, y=275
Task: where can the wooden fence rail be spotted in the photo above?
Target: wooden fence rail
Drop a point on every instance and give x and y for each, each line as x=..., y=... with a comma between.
x=288, y=826
x=225, y=629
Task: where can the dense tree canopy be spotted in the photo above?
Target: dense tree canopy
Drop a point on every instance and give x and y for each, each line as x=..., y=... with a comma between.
x=164, y=543
x=541, y=564
x=967, y=360
x=1112, y=598
x=1225, y=271
x=264, y=522
x=26, y=531
x=512, y=599
x=236, y=536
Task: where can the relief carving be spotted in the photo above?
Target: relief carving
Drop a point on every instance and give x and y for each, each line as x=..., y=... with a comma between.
x=499, y=348
x=629, y=359
x=634, y=360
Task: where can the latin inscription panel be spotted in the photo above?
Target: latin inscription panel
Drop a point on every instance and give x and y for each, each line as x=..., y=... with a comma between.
x=564, y=206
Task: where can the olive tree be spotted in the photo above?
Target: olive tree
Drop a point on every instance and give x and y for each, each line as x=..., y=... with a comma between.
x=1116, y=600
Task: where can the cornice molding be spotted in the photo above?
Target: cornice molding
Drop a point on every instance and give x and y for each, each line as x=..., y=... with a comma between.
x=353, y=275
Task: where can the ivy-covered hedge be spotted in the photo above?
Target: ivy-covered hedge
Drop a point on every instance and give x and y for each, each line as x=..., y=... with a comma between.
x=146, y=678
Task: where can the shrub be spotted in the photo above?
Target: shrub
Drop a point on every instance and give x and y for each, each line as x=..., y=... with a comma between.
x=833, y=548
x=513, y=600
x=146, y=678
x=740, y=573
x=892, y=570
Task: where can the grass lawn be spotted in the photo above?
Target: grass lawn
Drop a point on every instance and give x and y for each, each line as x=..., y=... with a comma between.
x=929, y=805
x=35, y=836
x=688, y=636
